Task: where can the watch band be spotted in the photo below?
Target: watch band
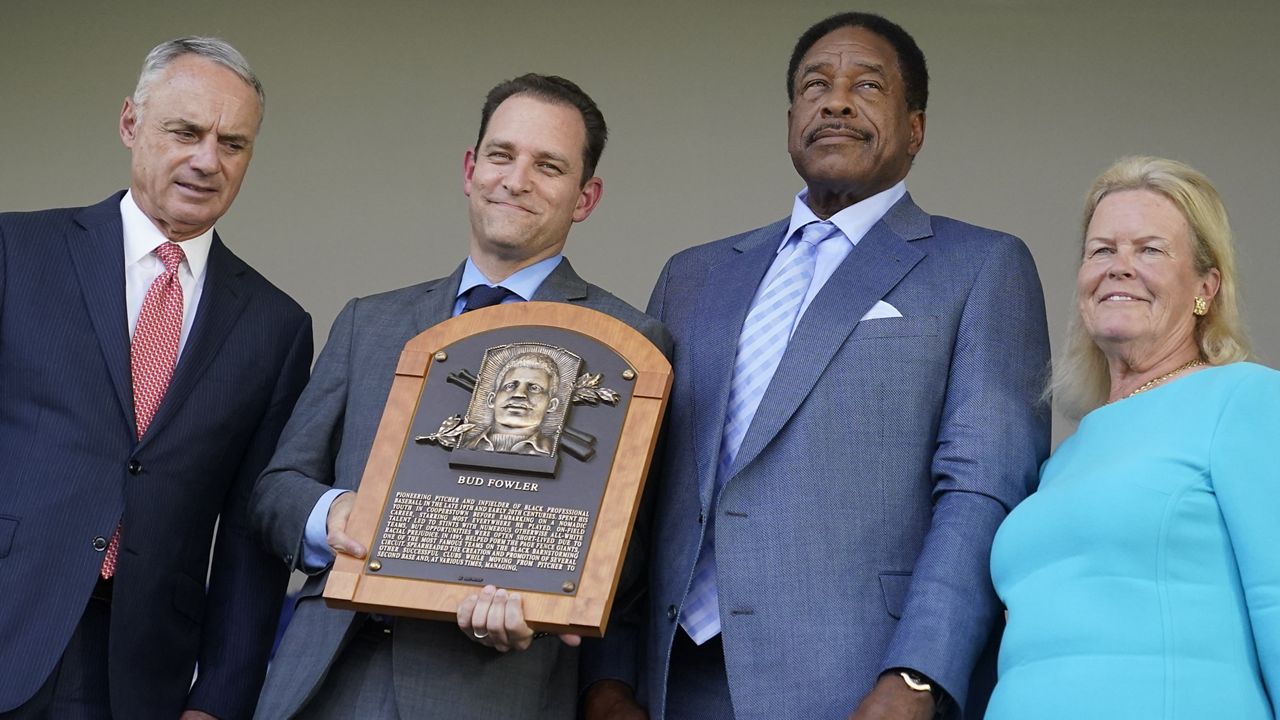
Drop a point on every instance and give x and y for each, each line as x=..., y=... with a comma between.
x=915, y=682
x=920, y=683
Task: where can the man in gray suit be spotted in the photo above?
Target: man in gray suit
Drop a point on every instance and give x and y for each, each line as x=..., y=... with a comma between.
x=854, y=412
x=529, y=177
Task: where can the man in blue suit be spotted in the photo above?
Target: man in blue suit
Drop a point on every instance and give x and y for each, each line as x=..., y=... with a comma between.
x=145, y=375
x=854, y=412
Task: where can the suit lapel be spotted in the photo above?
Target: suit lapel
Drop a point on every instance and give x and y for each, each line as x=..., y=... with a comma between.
x=437, y=301
x=562, y=285
x=874, y=266
x=222, y=301
x=97, y=254
x=727, y=291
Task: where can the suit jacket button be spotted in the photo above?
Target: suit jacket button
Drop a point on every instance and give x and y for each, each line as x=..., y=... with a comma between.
x=135, y=467
x=99, y=543
x=672, y=612
x=288, y=559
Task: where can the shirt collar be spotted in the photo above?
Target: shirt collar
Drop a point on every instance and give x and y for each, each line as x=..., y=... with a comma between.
x=141, y=236
x=523, y=282
x=854, y=221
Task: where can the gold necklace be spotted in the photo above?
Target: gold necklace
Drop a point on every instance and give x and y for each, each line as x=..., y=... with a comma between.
x=1154, y=382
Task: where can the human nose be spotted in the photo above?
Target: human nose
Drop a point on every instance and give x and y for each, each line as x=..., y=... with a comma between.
x=204, y=156
x=517, y=179
x=1120, y=264
x=839, y=103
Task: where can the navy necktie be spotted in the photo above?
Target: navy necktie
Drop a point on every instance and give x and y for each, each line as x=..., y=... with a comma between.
x=483, y=296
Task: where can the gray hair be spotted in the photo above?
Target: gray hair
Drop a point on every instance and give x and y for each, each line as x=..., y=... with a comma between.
x=210, y=48
x=1081, y=379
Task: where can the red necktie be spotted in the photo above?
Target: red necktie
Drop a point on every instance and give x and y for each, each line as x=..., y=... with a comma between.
x=153, y=354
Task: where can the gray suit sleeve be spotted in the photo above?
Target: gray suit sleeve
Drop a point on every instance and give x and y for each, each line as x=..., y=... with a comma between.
x=302, y=468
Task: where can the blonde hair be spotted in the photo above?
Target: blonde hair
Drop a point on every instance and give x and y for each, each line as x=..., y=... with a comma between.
x=1081, y=379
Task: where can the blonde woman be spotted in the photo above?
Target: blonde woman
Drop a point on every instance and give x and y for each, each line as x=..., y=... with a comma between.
x=1141, y=578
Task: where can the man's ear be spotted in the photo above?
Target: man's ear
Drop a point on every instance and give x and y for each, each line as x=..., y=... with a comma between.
x=916, y=138
x=588, y=198
x=129, y=123
x=468, y=169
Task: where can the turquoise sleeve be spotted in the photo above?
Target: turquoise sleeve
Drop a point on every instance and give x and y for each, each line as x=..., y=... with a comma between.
x=1245, y=470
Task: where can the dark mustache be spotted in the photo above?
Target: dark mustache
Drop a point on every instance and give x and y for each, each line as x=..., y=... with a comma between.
x=857, y=133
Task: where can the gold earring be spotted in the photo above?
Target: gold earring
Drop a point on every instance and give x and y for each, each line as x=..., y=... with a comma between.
x=1201, y=307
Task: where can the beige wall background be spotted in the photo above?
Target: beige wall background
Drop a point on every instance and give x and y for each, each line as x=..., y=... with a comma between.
x=355, y=185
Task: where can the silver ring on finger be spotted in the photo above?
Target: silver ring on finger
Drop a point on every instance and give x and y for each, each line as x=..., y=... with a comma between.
x=478, y=636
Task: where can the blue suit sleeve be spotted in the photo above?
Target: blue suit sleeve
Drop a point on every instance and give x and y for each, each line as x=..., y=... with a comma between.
x=1246, y=480
x=992, y=437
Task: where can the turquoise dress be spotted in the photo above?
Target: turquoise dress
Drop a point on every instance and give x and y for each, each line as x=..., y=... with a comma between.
x=1143, y=577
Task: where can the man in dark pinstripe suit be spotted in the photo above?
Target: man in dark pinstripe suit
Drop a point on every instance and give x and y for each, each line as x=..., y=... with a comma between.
x=145, y=375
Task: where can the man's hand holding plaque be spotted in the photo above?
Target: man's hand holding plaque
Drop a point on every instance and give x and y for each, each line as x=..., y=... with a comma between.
x=494, y=618
x=337, y=537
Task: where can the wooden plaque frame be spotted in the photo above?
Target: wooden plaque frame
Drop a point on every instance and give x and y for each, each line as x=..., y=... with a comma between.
x=352, y=584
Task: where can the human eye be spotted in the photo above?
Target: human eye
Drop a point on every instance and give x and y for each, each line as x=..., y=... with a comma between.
x=498, y=156
x=551, y=168
x=1097, y=251
x=184, y=135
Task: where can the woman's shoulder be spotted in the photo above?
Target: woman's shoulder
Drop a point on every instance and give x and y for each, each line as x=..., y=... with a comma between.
x=1243, y=389
x=1233, y=376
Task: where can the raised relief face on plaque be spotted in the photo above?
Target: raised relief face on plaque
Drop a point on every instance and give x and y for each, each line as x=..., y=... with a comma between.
x=520, y=403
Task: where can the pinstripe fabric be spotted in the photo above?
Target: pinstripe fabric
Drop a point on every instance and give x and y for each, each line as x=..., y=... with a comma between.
x=75, y=467
x=760, y=348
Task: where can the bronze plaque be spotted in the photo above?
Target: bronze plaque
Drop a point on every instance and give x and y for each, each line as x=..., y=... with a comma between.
x=512, y=451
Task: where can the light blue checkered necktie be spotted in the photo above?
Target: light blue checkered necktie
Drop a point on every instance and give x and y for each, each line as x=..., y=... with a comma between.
x=764, y=338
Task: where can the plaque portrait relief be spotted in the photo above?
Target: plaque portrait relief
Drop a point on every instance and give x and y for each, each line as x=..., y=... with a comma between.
x=513, y=451
x=521, y=399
